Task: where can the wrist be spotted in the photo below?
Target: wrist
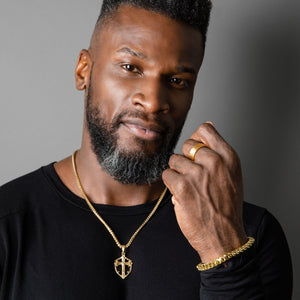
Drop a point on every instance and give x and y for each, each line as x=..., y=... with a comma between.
x=224, y=258
x=218, y=249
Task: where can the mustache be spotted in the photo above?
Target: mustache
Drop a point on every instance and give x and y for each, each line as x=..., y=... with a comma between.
x=118, y=119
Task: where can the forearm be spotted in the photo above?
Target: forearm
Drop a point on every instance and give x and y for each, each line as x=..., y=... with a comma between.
x=238, y=279
x=264, y=271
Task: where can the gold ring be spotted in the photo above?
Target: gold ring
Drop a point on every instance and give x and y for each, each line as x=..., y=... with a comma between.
x=194, y=150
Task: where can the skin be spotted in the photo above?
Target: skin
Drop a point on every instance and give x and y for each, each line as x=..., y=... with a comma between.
x=143, y=61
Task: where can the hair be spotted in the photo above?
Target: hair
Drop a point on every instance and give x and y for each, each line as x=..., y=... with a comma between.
x=195, y=13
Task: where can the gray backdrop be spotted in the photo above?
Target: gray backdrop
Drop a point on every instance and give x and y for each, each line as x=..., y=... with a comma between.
x=248, y=86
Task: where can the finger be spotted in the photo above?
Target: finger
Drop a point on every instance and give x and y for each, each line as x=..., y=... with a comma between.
x=182, y=164
x=187, y=147
x=204, y=157
x=208, y=135
x=171, y=179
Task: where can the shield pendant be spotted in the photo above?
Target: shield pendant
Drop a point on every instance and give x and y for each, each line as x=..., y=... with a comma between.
x=123, y=266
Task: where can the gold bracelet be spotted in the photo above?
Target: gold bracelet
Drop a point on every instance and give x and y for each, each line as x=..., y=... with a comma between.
x=227, y=256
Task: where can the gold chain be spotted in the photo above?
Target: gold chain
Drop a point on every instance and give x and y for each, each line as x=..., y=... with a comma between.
x=227, y=256
x=122, y=247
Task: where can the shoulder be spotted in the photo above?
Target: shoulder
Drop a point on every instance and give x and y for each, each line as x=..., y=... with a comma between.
x=262, y=225
x=256, y=217
x=270, y=248
x=18, y=194
x=253, y=215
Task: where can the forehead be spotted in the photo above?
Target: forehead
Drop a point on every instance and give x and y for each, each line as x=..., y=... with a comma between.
x=149, y=32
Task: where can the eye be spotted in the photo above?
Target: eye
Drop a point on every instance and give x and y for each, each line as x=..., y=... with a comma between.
x=130, y=68
x=179, y=82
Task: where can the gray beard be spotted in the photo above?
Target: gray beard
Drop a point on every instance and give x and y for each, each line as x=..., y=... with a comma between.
x=135, y=167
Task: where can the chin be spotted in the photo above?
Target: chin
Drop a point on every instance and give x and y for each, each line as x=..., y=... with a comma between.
x=139, y=146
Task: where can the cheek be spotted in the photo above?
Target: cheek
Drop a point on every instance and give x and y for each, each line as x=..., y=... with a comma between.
x=111, y=94
x=180, y=107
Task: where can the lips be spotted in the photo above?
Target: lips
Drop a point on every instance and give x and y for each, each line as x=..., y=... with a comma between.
x=143, y=130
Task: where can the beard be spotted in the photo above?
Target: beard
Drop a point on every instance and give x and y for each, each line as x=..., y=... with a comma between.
x=128, y=166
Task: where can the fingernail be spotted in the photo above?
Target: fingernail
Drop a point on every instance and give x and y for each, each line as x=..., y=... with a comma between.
x=173, y=200
x=211, y=123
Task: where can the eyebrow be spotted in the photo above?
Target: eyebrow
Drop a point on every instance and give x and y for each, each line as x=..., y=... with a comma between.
x=184, y=69
x=132, y=52
x=127, y=50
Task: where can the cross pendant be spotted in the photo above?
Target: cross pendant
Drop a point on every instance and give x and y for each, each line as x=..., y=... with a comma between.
x=123, y=265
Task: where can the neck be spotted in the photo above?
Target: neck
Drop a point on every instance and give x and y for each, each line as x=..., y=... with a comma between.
x=99, y=186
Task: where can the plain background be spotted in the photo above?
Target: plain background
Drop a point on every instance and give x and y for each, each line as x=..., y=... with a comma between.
x=248, y=86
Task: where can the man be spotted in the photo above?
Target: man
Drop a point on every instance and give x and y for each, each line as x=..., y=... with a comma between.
x=100, y=223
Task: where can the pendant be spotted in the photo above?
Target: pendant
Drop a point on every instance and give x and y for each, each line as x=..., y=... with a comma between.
x=123, y=265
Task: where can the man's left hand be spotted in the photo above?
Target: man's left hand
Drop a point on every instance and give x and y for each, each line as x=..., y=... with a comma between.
x=208, y=194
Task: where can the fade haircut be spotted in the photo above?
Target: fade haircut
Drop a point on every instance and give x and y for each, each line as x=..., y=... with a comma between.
x=191, y=12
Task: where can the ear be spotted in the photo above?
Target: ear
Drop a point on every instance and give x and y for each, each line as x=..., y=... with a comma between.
x=82, y=70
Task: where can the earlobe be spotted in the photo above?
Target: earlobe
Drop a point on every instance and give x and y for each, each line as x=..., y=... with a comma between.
x=82, y=70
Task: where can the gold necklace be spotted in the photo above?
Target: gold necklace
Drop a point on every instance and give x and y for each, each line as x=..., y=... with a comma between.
x=123, y=265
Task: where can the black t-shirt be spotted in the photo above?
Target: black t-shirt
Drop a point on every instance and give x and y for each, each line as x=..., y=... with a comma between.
x=52, y=247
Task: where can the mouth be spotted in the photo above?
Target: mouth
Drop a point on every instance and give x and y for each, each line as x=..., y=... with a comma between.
x=144, y=130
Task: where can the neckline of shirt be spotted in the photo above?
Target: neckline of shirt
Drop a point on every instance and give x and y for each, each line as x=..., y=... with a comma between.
x=50, y=173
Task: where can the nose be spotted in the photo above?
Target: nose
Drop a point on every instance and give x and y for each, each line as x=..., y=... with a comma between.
x=152, y=97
